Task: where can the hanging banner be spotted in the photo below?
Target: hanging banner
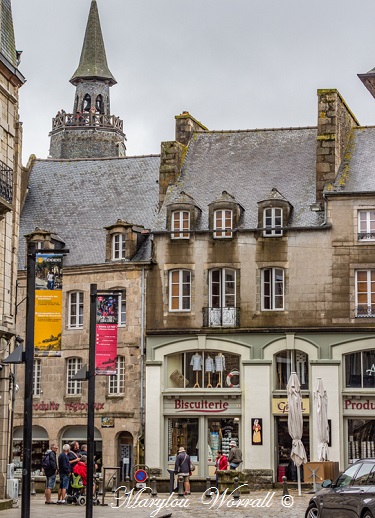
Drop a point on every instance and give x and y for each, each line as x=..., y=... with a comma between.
x=106, y=334
x=48, y=304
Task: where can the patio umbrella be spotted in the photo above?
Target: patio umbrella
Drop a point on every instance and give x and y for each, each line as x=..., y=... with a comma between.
x=295, y=424
x=320, y=405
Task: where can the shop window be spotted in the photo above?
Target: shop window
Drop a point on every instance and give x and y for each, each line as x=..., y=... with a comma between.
x=272, y=282
x=75, y=314
x=366, y=225
x=361, y=434
x=365, y=293
x=179, y=290
x=180, y=224
x=203, y=369
x=220, y=433
x=116, y=384
x=360, y=369
x=286, y=466
x=291, y=361
x=222, y=310
x=223, y=223
x=37, y=377
x=183, y=433
x=122, y=307
x=118, y=246
x=73, y=387
x=273, y=222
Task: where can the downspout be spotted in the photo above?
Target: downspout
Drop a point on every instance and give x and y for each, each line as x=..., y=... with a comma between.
x=325, y=209
x=141, y=408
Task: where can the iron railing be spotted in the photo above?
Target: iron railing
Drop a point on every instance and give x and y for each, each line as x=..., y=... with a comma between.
x=221, y=317
x=364, y=311
x=366, y=236
x=6, y=182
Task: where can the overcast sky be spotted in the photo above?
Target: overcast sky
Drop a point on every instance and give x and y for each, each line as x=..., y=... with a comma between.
x=233, y=64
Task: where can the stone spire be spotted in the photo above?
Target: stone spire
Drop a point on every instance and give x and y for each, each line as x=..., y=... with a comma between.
x=93, y=61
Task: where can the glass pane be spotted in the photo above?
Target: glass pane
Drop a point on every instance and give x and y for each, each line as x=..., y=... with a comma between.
x=347, y=476
x=183, y=433
x=368, y=358
x=363, y=473
x=353, y=370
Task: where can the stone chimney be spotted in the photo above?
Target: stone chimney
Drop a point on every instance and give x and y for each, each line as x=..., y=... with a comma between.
x=335, y=124
x=186, y=125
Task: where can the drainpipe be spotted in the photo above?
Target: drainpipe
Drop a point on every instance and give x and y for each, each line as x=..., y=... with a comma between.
x=325, y=209
x=141, y=408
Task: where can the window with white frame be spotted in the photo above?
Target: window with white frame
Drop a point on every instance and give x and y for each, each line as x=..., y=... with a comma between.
x=37, y=377
x=179, y=290
x=272, y=289
x=73, y=387
x=365, y=293
x=366, y=225
x=272, y=222
x=222, y=310
x=116, y=383
x=118, y=246
x=223, y=219
x=75, y=314
x=180, y=224
x=360, y=369
x=122, y=308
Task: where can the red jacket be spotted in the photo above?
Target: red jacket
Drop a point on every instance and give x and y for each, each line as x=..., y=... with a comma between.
x=222, y=463
x=81, y=469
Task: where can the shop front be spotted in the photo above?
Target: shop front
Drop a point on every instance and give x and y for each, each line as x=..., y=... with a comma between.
x=202, y=425
x=359, y=427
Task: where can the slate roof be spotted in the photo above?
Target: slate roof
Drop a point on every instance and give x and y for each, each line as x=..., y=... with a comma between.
x=8, y=45
x=248, y=165
x=93, y=61
x=357, y=171
x=76, y=199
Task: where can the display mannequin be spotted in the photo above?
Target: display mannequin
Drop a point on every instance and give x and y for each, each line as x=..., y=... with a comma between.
x=196, y=363
x=209, y=367
x=220, y=367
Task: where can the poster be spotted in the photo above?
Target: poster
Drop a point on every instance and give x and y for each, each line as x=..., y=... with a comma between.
x=106, y=334
x=48, y=305
x=256, y=432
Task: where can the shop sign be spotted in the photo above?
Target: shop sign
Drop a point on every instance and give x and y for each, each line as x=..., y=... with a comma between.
x=51, y=406
x=202, y=406
x=359, y=406
x=280, y=406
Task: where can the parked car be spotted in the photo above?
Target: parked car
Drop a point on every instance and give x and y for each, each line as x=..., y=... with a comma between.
x=351, y=496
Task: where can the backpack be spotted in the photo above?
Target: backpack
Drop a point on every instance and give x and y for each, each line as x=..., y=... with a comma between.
x=46, y=462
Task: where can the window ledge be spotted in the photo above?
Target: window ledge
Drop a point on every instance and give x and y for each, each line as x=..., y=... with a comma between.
x=115, y=396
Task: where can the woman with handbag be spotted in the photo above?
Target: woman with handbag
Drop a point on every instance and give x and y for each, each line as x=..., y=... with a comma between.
x=182, y=467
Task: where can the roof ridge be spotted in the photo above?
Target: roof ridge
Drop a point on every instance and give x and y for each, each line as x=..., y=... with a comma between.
x=257, y=130
x=94, y=159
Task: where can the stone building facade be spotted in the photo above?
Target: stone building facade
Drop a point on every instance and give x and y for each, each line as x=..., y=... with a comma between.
x=11, y=192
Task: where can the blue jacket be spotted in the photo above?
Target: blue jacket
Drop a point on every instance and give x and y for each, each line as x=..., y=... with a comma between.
x=64, y=466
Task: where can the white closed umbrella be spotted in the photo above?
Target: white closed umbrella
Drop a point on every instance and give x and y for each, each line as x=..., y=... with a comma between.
x=295, y=424
x=320, y=406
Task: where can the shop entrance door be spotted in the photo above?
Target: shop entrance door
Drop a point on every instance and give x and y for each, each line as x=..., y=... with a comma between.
x=285, y=465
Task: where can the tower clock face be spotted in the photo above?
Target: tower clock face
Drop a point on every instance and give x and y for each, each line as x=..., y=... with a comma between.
x=121, y=150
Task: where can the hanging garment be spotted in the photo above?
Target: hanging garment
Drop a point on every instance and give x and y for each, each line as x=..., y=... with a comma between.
x=209, y=364
x=220, y=363
x=196, y=362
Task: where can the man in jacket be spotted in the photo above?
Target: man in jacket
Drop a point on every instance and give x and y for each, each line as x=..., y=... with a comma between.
x=182, y=467
x=64, y=470
x=235, y=455
x=51, y=473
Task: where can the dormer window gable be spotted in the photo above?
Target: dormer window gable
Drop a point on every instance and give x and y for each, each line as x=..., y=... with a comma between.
x=182, y=216
x=224, y=216
x=122, y=241
x=274, y=214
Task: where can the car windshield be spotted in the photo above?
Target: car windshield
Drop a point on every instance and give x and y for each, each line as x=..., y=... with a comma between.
x=347, y=476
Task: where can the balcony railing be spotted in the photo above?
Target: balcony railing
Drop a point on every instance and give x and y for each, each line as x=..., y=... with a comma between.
x=364, y=311
x=95, y=120
x=221, y=317
x=366, y=236
x=6, y=184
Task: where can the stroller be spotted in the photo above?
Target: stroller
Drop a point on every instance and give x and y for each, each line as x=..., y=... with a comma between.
x=76, y=491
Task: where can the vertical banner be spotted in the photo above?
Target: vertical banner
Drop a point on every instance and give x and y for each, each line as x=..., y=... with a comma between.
x=106, y=333
x=48, y=304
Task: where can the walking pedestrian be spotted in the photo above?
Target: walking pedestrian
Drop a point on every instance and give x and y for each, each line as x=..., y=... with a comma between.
x=182, y=467
x=50, y=471
x=221, y=465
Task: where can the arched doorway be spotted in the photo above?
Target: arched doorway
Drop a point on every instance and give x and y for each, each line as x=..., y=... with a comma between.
x=40, y=444
x=126, y=454
x=79, y=433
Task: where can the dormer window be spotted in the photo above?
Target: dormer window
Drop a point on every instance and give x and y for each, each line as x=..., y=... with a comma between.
x=272, y=222
x=118, y=246
x=223, y=219
x=180, y=224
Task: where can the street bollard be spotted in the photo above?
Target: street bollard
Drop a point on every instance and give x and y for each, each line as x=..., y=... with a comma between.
x=114, y=483
x=180, y=486
x=154, y=491
x=208, y=493
x=101, y=485
x=236, y=492
x=285, y=487
x=32, y=487
x=127, y=485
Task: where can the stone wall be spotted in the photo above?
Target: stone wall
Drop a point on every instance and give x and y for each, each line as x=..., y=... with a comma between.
x=98, y=142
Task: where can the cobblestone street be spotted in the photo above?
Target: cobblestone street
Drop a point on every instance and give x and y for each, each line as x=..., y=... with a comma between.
x=191, y=506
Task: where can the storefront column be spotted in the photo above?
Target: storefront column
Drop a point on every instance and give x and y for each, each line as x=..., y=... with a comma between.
x=329, y=371
x=154, y=413
x=256, y=387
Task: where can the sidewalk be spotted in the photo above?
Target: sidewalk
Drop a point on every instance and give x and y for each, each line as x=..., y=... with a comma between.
x=194, y=505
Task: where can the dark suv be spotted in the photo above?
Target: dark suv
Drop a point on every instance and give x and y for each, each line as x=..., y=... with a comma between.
x=351, y=496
